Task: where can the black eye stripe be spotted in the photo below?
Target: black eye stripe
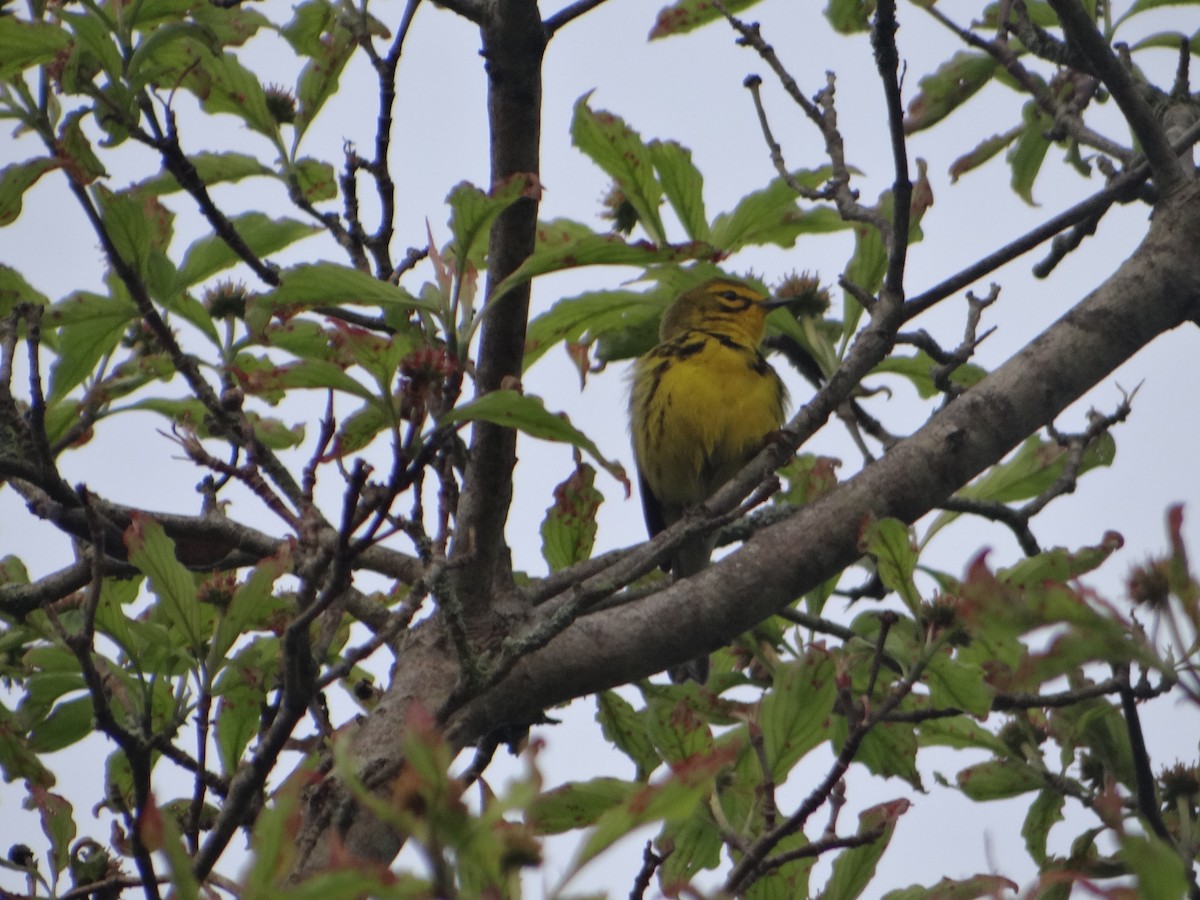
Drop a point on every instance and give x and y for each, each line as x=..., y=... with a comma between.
x=735, y=300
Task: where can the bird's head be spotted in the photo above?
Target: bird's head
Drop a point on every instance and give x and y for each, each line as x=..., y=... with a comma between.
x=719, y=305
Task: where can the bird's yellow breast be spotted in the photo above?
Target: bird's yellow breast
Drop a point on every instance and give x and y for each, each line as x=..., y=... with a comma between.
x=701, y=406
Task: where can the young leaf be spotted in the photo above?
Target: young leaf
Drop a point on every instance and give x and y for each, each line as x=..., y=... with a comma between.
x=1028, y=153
x=1043, y=813
x=153, y=553
x=617, y=149
x=626, y=728
x=890, y=543
x=472, y=212
x=683, y=184
x=15, y=289
x=952, y=84
x=795, y=715
x=569, y=528
x=982, y=152
x=854, y=868
x=687, y=15
x=262, y=234
x=563, y=244
x=15, y=180
x=529, y=415
x=24, y=45
x=773, y=216
x=998, y=780
x=577, y=804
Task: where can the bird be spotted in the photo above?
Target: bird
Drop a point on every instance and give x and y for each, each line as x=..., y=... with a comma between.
x=702, y=403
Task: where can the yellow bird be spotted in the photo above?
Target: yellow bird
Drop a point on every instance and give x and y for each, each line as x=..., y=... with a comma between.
x=702, y=404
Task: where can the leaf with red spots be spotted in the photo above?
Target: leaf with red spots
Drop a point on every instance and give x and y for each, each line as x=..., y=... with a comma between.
x=569, y=529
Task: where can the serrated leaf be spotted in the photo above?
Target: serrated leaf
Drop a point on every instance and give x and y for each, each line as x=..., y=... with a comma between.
x=683, y=184
x=563, y=244
x=569, y=528
x=919, y=367
x=890, y=543
x=948, y=87
x=695, y=845
x=958, y=889
x=588, y=317
x=15, y=289
x=849, y=16
x=320, y=75
x=261, y=233
x=959, y=685
x=153, y=554
x=1027, y=154
x=795, y=715
x=68, y=723
x=854, y=868
x=982, y=152
x=212, y=168
x=577, y=804
x=58, y=824
x=15, y=180
x=92, y=326
x=328, y=284
x=677, y=728
x=617, y=149
x=529, y=415
x=773, y=216
x=316, y=180
x=24, y=45
x=998, y=780
x=1044, y=812
x=473, y=211
x=625, y=728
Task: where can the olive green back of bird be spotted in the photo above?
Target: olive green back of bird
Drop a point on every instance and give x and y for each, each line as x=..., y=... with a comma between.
x=703, y=402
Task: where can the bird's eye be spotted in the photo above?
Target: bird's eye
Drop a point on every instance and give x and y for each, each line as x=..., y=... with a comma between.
x=731, y=296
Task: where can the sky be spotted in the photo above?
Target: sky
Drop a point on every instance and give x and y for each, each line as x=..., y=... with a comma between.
x=690, y=89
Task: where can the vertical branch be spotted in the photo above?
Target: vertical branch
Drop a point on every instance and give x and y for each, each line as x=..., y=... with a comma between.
x=513, y=43
x=887, y=60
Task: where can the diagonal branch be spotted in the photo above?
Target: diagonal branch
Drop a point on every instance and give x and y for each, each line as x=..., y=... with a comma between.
x=1082, y=32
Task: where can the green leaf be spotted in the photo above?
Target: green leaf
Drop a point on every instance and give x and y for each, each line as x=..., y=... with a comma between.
x=1140, y=6
x=849, y=16
x=1027, y=154
x=312, y=374
x=316, y=180
x=153, y=554
x=687, y=15
x=262, y=234
x=678, y=730
x=472, y=212
x=588, y=317
x=998, y=780
x=68, y=723
x=948, y=87
x=251, y=604
x=1043, y=813
x=16, y=179
x=983, y=151
x=1161, y=873
x=24, y=45
x=92, y=327
x=58, y=824
x=212, y=168
x=625, y=728
x=794, y=715
x=15, y=289
x=773, y=216
x=965, y=889
x=529, y=415
x=672, y=799
x=563, y=244
x=222, y=84
x=919, y=370
x=682, y=183
x=320, y=75
x=854, y=868
x=617, y=149
x=695, y=845
x=890, y=749
x=577, y=804
x=890, y=543
x=959, y=685
x=569, y=528
x=328, y=284
x=959, y=733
